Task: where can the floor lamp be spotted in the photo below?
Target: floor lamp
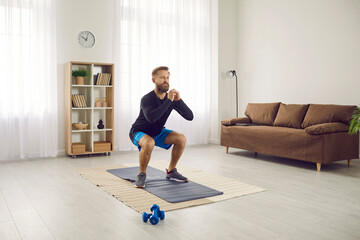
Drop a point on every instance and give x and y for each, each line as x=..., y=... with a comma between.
x=230, y=74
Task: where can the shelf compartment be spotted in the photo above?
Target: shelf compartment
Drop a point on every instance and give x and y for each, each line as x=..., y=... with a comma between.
x=83, y=138
x=81, y=116
x=102, y=146
x=102, y=68
x=82, y=66
x=103, y=136
x=106, y=115
x=86, y=91
x=101, y=92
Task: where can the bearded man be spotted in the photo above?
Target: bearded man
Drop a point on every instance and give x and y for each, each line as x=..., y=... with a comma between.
x=148, y=130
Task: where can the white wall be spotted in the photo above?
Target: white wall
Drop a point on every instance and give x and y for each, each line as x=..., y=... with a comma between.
x=228, y=56
x=298, y=51
x=73, y=17
x=214, y=131
x=97, y=17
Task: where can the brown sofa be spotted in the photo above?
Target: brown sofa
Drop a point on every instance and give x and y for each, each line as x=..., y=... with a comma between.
x=313, y=132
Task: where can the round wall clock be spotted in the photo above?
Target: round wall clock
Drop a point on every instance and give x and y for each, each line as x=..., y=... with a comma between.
x=86, y=39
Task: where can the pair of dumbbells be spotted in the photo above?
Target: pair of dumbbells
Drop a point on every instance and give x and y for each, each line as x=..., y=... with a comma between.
x=154, y=216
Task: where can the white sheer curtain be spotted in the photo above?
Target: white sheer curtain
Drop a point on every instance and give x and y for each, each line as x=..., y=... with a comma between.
x=152, y=33
x=28, y=89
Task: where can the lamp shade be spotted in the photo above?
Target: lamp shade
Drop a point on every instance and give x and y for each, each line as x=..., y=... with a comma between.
x=230, y=73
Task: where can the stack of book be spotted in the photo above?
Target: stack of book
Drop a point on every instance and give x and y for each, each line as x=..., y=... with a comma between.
x=103, y=79
x=78, y=100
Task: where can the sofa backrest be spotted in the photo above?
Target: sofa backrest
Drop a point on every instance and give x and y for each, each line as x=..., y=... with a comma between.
x=298, y=115
x=326, y=113
x=262, y=113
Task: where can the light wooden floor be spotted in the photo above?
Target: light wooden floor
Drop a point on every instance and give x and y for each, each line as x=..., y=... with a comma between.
x=46, y=199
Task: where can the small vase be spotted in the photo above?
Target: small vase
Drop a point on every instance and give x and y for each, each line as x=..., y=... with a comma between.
x=101, y=125
x=80, y=80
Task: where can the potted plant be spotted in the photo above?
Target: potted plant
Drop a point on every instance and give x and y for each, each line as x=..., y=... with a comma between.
x=355, y=122
x=79, y=76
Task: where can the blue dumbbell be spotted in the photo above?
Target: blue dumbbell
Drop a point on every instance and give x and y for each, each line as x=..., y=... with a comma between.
x=154, y=215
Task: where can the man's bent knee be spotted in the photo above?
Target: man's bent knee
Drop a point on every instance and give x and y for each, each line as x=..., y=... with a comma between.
x=147, y=144
x=181, y=140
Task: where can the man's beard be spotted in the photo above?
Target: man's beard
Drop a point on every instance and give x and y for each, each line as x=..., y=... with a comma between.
x=162, y=88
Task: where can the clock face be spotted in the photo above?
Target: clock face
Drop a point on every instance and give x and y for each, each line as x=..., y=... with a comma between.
x=86, y=39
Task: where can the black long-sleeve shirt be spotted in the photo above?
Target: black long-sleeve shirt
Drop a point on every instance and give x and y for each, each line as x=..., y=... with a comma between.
x=154, y=113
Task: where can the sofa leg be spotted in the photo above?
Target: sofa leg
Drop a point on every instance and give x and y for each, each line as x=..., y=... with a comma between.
x=227, y=149
x=318, y=166
x=349, y=162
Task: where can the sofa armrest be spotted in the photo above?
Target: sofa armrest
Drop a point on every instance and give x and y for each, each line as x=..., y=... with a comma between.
x=233, y=121
x=327, y=128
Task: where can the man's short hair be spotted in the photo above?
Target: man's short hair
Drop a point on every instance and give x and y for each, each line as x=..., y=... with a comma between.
x=155, y=71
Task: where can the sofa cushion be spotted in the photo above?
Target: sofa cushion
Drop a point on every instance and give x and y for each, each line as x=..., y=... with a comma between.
x=262, y=113
x=321, y=113
x=327, y=128
x=233, y=121
x=290, y=115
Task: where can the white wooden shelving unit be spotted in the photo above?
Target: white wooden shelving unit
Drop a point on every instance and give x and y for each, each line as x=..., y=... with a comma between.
x=89, y=114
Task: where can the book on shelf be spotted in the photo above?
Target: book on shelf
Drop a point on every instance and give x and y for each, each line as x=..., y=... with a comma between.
x=103, y=79
x=78, y=100
x=83, y=101
x=72, y=100
x=75, y=101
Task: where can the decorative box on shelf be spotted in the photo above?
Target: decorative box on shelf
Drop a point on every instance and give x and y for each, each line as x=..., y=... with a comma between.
x=77, y=148
x=102, y=146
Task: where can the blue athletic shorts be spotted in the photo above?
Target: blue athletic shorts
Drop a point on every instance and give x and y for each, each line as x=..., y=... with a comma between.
x=159, y=139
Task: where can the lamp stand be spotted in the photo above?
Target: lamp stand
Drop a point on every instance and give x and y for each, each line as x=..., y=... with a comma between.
x=236, y=96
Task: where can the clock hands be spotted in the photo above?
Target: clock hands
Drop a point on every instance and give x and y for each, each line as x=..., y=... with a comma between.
x=86, y=39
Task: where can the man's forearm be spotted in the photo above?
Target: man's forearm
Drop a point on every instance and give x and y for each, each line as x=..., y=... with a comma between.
x=184, y=110
x=152, y=115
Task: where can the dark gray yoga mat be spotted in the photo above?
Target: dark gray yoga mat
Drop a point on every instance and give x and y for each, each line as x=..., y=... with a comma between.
x=169, y=190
